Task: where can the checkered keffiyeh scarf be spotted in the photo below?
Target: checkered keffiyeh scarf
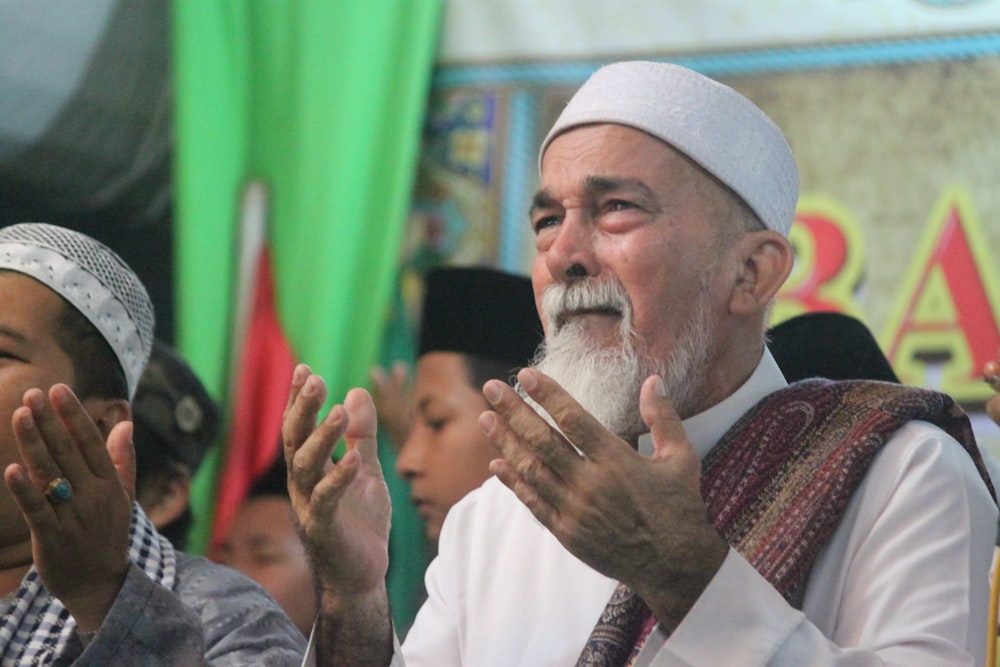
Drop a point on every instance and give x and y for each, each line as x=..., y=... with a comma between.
x=37, y=626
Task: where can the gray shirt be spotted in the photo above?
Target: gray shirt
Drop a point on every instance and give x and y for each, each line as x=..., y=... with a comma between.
x=214, y=616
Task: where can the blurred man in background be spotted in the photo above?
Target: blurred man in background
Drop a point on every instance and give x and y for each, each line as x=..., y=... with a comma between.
x=175, y=422
x=477, y=324
x=262, y=542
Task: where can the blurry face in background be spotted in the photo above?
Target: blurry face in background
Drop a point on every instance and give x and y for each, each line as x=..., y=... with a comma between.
x=446, y=455
x=263, y=544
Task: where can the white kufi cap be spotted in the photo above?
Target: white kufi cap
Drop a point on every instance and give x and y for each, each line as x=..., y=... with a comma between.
x=92, y=278
x=711, y=123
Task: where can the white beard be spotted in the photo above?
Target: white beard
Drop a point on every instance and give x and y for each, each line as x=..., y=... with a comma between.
x=606, y=380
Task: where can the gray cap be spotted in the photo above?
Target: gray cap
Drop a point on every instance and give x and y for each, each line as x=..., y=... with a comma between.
x=711, y=123
x=93, y=279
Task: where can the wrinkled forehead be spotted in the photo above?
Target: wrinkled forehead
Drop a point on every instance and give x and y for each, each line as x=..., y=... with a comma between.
x=712, y=124
x=640, y=153
x=629, y=163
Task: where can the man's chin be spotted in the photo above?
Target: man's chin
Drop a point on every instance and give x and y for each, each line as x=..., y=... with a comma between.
x=592, y=337
x=610, y=400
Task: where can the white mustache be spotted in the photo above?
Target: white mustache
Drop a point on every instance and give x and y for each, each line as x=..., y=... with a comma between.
x=559, y=301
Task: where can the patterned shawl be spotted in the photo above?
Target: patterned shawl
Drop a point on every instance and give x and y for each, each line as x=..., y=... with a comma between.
x=779, y=480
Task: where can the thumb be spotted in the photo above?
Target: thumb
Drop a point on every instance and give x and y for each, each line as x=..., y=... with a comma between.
x=664, y=424
x=362, y=425
x=122, y=454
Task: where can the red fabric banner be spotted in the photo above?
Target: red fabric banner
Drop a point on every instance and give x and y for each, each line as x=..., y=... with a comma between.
x=262, y=378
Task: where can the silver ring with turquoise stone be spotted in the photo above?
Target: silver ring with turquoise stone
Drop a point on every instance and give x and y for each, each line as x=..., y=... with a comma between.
x=59, y=491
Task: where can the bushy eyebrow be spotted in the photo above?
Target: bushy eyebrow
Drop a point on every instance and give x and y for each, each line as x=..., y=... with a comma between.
x=602, y=185
x=599, y=185
x=543, y=199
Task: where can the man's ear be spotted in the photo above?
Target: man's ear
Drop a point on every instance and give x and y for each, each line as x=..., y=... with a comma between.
x=766, y=259
x=106, y=412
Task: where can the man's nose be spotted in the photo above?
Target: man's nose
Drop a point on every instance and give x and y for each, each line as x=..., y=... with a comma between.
x=571, y=255
x=409, y=460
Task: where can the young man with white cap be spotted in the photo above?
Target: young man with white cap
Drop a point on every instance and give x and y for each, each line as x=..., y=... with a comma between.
x=84, y=577
x=662, y=496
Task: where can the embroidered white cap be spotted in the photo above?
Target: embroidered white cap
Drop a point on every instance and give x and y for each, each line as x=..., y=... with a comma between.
x=93, y=279
x=717, y=127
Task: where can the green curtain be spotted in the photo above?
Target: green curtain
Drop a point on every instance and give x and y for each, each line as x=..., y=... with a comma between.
x=324, y=101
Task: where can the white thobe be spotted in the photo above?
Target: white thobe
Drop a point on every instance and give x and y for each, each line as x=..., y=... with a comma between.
x=903, y=580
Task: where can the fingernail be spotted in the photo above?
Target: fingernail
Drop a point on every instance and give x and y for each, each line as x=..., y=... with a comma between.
x=35, y=401
x=27, y=420
x=335, y=414
x=60, y=394
x=492, y=392
x=310, y=387
x=488, y=422
x=660, y=388
x=528, y=379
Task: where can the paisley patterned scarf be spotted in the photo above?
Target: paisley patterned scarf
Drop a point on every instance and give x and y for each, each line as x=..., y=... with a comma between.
x=779, y=480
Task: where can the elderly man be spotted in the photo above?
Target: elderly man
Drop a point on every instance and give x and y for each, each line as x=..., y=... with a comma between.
x=661, y=490
x=85, y=578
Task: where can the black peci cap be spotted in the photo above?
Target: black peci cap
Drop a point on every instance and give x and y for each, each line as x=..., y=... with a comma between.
x=828, y=345
x=481, y=312
x=175, y=418
x=274, y=481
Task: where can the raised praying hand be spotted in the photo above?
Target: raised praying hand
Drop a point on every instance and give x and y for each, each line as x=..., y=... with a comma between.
x=344, y=512
x=75, y=492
